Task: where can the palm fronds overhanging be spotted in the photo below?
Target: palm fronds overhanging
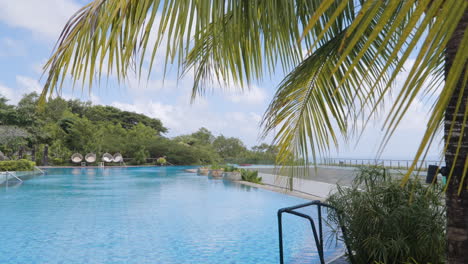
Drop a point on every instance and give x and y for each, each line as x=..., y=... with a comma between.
x=341, y=59
x=355, y=51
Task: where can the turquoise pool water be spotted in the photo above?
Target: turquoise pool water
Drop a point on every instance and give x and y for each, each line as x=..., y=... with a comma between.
x=146, y=215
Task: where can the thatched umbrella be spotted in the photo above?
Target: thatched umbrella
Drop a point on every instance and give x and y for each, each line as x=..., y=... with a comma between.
x=90, y=157
x=107, y=157
x=76, y=158
x=118, y=157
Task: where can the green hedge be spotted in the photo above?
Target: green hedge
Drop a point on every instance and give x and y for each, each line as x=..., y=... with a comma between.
x=17, y=165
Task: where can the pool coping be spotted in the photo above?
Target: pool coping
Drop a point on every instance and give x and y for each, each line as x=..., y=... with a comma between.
x=282, y=190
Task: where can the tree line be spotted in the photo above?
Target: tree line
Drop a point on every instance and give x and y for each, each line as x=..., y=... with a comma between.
x=63, y=127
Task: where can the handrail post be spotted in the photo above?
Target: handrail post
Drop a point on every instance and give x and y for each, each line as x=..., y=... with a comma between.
x=280, y=232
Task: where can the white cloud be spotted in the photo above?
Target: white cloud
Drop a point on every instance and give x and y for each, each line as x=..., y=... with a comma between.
x=9, y=94
x=254, y=95
x=28, y=85
x=24, y=85
x=184, y=118
x=44, y=18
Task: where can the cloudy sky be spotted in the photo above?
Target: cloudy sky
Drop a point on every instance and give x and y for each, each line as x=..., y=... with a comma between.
x=29, y=29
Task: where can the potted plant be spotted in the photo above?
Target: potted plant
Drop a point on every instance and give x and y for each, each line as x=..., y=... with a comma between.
x=232, y=173
x=216, y=171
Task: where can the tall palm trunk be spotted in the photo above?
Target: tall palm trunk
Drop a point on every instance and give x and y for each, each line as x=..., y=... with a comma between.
x=457, y=205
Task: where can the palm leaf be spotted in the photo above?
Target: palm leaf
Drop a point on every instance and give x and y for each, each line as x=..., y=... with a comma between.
x=356, y=49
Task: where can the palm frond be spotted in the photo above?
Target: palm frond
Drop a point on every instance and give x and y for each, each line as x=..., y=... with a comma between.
x=356, y=49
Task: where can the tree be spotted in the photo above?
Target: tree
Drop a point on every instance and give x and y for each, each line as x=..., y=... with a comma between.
x=26, y=110
x=7, y=112
x=12, y=138
x=355, y=50
x=230, y=149
x=100, y=113
x=204, y=136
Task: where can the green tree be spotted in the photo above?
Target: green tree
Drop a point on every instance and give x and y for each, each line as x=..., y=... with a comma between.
x=355, y=50
x=230, y=149
x=12, y=138
x=7, y=112
x=26, y=110
x=204, y=136
x=100, y=113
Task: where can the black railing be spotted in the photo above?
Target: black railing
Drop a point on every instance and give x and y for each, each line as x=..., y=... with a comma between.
x=390, y=163
x=317, y=231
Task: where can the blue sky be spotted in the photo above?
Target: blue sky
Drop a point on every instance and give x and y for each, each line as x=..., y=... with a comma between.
x=29, y=29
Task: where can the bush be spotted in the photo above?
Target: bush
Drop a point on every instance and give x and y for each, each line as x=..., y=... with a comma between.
x=161, y=161
x=216, y=167
x=17, y=165
x=230, y=168
x=388, y=223
x=140, y=157
x=250, y=176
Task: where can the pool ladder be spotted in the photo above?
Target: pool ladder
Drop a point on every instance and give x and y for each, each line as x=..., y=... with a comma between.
x=41, y=171
x=14, y=176
x=316, y=231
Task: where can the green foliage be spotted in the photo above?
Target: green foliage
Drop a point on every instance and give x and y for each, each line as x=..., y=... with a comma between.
x=161, y=161
x=388, y=223
x=230, y=149
x=230, y=168
x=114, y=115
x=12, y=138
x=140, y=157
x=250, y=176
x=74, y=126
x=60, y=154
x=216, y=166
x=17, y=165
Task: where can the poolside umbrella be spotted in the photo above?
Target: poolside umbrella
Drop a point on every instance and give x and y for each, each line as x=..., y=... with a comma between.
x=107, y=157
x=90, y=157
x=76, y=158
x=118, y=157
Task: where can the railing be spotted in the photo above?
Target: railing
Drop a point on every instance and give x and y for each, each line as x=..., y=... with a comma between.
x=12, y=174
x=317, y=231
x=390, y=163
x=40, y=170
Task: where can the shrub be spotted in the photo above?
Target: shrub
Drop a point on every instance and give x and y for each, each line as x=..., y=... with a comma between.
x=17, y=165
x=140, y=157
x=216, y=167
x=388, y=223
x=250, y=176
x=230, y=168
x=161, y=161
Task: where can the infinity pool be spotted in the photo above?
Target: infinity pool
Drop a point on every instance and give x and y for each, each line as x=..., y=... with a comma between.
x=146, y=215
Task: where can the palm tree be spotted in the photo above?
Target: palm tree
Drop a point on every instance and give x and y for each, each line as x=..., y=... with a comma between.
x=341, y=58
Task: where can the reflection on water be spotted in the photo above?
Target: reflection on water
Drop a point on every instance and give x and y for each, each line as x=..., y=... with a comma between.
x=146, y=215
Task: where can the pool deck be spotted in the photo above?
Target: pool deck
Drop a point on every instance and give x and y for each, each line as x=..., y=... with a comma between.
x=283, y=191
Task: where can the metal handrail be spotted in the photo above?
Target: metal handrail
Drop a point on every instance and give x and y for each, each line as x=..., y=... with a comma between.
x=392, y=163
x=318, y=236
x=39, y=169
x=14, y=175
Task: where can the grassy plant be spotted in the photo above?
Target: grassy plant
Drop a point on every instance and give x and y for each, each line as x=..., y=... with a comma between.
x=387, y=223
x=250, y=176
